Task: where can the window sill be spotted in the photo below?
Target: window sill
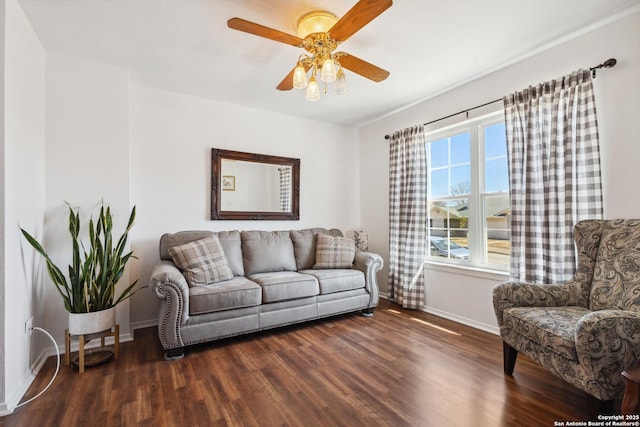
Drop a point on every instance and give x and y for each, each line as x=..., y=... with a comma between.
x=467, y=270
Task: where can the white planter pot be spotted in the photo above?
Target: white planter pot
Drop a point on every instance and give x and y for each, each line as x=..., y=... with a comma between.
x=93, y=322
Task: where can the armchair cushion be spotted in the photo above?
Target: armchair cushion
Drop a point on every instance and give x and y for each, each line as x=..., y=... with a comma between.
x=553, y=328
x=513, y=294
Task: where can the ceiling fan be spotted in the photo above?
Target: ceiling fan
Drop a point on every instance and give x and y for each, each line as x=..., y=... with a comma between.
x=320, y=33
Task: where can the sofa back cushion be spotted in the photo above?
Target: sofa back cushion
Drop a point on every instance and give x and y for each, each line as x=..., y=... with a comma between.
x=229, y=240
x=304, y=245
x=616, y=276
x=267, y=251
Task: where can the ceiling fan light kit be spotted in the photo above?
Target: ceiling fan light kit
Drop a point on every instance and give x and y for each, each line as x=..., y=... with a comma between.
x=313, y=90
x=300, y=77
x=318, y=21
x=340, y=86
x=319, y=33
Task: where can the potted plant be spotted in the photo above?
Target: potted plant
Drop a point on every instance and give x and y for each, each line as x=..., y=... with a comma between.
x=90, y=293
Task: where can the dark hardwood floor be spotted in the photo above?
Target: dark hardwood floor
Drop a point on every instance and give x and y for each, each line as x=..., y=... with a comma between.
x=399, y=368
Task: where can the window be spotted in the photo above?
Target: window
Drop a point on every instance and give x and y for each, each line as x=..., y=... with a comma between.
x=468, y=194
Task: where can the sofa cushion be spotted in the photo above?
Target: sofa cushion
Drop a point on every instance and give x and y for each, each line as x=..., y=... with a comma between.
x=202, y=262
x=337, y=280
x=237, y=292
x=232, y=245
x=267, y=251
x=616, y=282
x=304, y=245
x=553, y=328
x=285, y=285
x=334, y=252
x=230, y=241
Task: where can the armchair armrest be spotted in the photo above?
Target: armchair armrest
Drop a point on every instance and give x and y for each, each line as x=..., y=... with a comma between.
x=516, y=294
x=369, y=263
x=170, y=286
x=607, y=342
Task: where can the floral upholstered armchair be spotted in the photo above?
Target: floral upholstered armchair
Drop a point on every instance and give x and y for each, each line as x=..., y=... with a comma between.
x=587, y=330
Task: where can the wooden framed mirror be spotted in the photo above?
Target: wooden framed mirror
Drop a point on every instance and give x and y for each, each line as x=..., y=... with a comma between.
x=247, y=186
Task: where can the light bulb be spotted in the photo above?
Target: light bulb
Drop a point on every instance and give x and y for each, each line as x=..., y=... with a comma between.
x=313, y=91
x=340, y=86
x=300, y=77
x=328, y=73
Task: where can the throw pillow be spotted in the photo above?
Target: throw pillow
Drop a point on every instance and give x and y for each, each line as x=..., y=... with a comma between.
x=202, y=262
x=334, y=252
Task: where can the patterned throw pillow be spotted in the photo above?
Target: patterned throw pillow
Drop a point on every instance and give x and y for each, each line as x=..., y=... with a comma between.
x=334, y=252
x=202, y=262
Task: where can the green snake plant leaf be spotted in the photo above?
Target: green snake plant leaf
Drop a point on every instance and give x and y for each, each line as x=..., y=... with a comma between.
x=96, y=269
x=56, y=275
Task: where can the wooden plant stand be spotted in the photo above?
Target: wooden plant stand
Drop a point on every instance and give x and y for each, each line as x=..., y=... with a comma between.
x=84, y=339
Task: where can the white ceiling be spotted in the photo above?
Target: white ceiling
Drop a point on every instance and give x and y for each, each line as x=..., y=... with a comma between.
x=427, y=45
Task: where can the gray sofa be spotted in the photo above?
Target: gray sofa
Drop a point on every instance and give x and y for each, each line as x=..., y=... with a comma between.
x=261, y=280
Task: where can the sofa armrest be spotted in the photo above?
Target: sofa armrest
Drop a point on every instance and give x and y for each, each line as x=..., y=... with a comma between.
x=170, y=286
x=516, y=294
x=607, y=342
x=369, y=263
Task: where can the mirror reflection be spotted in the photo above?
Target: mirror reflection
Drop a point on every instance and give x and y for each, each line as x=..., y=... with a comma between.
x=254, y=186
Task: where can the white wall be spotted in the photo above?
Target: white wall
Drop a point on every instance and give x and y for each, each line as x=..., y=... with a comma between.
x=171, y=140
x=24, y=197
x=87, y=160
x=468, y=297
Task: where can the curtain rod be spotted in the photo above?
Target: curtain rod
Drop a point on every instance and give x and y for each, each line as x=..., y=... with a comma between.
x=606, y=64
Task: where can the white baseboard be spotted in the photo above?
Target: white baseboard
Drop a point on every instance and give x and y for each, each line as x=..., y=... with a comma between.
x=143, y=324
x=456, y=318
x=463, y=320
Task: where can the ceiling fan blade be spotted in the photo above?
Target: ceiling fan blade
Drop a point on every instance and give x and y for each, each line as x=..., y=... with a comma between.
x=287, y=82
x=363, y=68
x=262, y=31
x=357, y=17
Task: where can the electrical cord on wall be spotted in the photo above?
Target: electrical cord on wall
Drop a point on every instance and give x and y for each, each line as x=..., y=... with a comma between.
x=55, y=345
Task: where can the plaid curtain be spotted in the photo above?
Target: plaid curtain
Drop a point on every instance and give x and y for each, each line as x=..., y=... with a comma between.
x=554, y=172
x=285, y=189
x=407, y=216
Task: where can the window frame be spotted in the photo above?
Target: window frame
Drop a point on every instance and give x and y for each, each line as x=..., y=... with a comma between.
x=476, y=231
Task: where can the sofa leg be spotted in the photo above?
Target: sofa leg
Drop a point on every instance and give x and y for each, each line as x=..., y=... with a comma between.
x=174, y=353
x=510, y=354
x=367, y=312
